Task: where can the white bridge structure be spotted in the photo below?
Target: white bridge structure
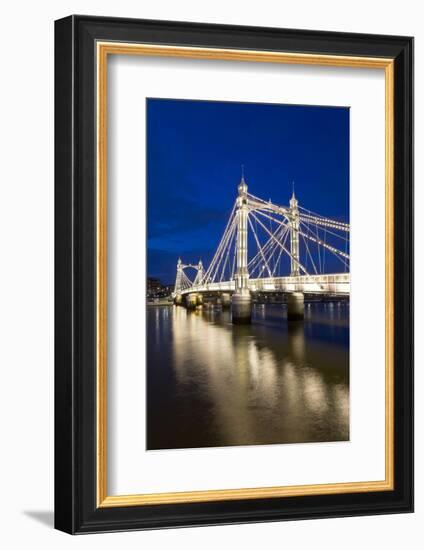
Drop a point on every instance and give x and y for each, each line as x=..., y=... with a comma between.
x=291, y=247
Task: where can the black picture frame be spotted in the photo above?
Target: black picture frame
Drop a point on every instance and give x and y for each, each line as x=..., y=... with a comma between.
x=76, y=510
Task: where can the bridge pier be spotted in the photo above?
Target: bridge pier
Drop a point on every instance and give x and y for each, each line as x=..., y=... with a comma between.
x=178, y=300
x=199, y=299
x=295, y=306
x=225, y=300
x=191, y=301
x=241, y=309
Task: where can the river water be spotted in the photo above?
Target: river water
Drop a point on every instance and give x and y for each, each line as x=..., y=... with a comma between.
x=211, y=383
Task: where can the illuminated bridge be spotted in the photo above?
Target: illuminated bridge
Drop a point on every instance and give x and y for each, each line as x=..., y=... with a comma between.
x=295, y=252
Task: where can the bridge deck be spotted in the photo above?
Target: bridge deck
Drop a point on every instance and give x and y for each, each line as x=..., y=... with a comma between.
x=338, y=283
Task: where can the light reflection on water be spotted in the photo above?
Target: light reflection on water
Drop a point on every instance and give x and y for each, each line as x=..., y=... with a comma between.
x=211, y=383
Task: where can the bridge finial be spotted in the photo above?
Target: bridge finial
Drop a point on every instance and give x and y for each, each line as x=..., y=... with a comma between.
x=242, y=186
x=293, y=200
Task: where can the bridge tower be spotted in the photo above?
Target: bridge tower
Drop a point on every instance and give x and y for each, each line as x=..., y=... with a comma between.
x=198, y=281
x=178, y=282
x=199, y=276
x=296, y=300
x=294, y=236
x=241, y=299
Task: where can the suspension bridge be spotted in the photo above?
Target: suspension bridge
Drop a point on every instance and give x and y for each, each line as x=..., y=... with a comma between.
x=295, y=252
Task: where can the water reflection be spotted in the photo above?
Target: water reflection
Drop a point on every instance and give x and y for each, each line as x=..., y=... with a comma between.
x=211, y=383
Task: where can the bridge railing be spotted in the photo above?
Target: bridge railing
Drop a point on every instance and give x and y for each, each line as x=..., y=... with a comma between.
x=313, y=284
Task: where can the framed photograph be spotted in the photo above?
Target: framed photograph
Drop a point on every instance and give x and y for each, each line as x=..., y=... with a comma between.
x=234, y=274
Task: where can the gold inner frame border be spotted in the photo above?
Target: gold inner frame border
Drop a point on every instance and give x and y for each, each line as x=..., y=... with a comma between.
x=103, y=50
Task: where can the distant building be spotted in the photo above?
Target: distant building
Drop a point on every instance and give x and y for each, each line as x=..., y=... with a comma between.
x=169, y=289
x=155, y=288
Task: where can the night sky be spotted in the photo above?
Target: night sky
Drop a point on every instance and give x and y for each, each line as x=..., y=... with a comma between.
x=195, y=150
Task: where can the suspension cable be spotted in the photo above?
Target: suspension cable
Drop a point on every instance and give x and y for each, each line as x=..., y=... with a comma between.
x=280, y=244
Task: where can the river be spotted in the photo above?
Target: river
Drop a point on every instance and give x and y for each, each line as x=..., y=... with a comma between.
x=211, y=383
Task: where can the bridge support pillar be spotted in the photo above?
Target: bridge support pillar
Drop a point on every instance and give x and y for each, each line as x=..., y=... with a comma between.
x=295, y=306
x=191, y=301
x=199, y=299
x=225, y=300
x=178, y=300
x=241, y=309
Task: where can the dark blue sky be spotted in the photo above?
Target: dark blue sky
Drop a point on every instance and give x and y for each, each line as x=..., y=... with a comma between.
x=194, y=153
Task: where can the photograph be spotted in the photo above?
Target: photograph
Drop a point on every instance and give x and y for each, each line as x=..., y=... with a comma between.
x=248, y=279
